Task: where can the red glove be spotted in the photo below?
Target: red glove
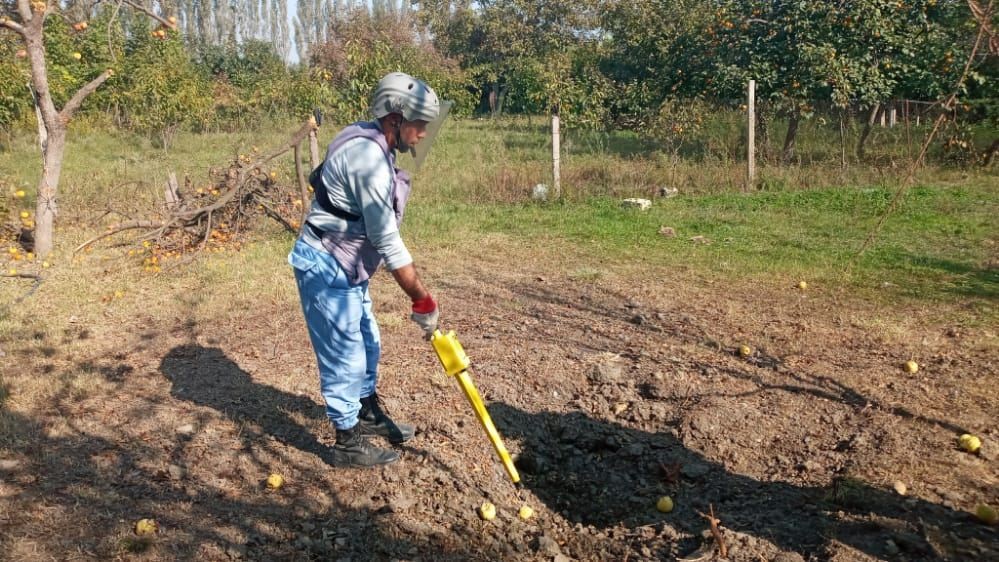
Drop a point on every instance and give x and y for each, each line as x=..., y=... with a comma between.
x=425, y=305
x=425, y=314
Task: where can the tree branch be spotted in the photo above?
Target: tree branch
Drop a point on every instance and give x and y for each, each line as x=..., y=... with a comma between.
x=150, y=13
x=12, y=25
x=715, y=531
x=74, y=103
x=121, y=227
x=24, y=8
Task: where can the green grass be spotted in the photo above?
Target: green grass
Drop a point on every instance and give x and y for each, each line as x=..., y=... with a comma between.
x=937, y=244
x=807, y=223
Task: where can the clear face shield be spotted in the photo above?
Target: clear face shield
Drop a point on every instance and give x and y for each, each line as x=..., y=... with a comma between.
x=418, y=153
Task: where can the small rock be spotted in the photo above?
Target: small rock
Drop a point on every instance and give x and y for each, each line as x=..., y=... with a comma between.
x=636, y=203
x=186, y=429
x=540, y=192
x=637, y=320
x=561, y=558
x=811, y=466
x=401, y=503
x=667, y=231
x=607, y=370
x=176, y=472
x=700, y=240
x=900, y=487
x=9, y=464
x=620, y=407
x=548, y=546
x=668, y=192
x=891, y=548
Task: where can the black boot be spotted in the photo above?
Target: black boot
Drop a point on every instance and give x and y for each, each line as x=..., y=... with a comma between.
x=352, y=449
x=374, y=421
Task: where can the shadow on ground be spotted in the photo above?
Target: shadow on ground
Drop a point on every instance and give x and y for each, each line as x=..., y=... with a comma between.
x=78, y=492
x=603, y=474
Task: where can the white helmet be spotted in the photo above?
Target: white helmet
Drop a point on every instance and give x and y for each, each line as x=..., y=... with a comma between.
x=410, y=97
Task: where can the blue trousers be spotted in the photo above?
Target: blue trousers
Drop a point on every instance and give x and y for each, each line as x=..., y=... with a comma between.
x=343, y=331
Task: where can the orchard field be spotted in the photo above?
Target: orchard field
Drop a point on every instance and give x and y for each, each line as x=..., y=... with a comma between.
x=607, y=353
x=797, y=366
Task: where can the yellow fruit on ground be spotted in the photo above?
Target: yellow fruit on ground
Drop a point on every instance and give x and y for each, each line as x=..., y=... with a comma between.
x=665, y=504
x=46, y=264
x=526, y=512
x=969, y=443
x=146, y=527
x=911, y=367
x=802, y=285
x=487, y=511
x=987, y=514
x=25, y=214
x=275, y=481
x=745, y=350
x=29, y=256
x=12, y=271
x=77, y=56
x=19, y=194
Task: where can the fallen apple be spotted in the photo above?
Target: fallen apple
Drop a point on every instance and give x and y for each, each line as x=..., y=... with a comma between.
x=275, y=481
x=665, y=504
x=146, y=527
x=969, y=443
x=987, y=514
x=487, y=511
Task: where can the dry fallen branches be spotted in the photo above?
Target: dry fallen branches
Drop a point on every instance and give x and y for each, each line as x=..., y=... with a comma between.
x=715, y=531
x=194, y=218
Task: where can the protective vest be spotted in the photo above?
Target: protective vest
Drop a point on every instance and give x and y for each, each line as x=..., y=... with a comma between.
x=351, y=248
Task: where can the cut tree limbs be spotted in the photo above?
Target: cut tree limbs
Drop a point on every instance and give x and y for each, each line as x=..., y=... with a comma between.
x=189, y=224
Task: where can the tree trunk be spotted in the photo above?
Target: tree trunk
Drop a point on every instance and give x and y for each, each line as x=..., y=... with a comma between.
x=875, y=111
x=990, y=154
x=45, y=207
x=762, y=132
x=787, y=153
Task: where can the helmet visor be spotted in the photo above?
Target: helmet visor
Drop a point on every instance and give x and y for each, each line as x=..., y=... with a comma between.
x=420, y=151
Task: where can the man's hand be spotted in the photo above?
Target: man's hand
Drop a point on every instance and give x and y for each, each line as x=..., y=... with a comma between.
x=425, y=314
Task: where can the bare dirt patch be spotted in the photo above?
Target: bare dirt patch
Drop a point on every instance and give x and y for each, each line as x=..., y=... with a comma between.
x=612, y=390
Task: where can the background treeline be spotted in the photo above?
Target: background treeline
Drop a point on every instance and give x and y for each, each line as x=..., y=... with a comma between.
x=655, y=66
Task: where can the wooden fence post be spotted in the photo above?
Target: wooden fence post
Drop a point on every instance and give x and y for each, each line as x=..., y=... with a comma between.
x=314, y=160
x=751, y=136
x=556, y=172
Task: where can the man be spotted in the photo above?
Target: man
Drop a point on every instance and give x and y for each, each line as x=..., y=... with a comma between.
x=352, y=228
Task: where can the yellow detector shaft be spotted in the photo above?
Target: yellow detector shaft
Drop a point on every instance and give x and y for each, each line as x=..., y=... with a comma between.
x=456, y=363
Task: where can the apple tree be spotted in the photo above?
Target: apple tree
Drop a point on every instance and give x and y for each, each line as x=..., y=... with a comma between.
x=27, y=20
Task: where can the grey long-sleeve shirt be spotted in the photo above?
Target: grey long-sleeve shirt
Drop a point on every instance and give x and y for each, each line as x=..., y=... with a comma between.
x=359, y=181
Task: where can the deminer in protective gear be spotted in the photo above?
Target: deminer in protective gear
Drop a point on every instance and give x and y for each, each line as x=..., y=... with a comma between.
x=351, y=229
